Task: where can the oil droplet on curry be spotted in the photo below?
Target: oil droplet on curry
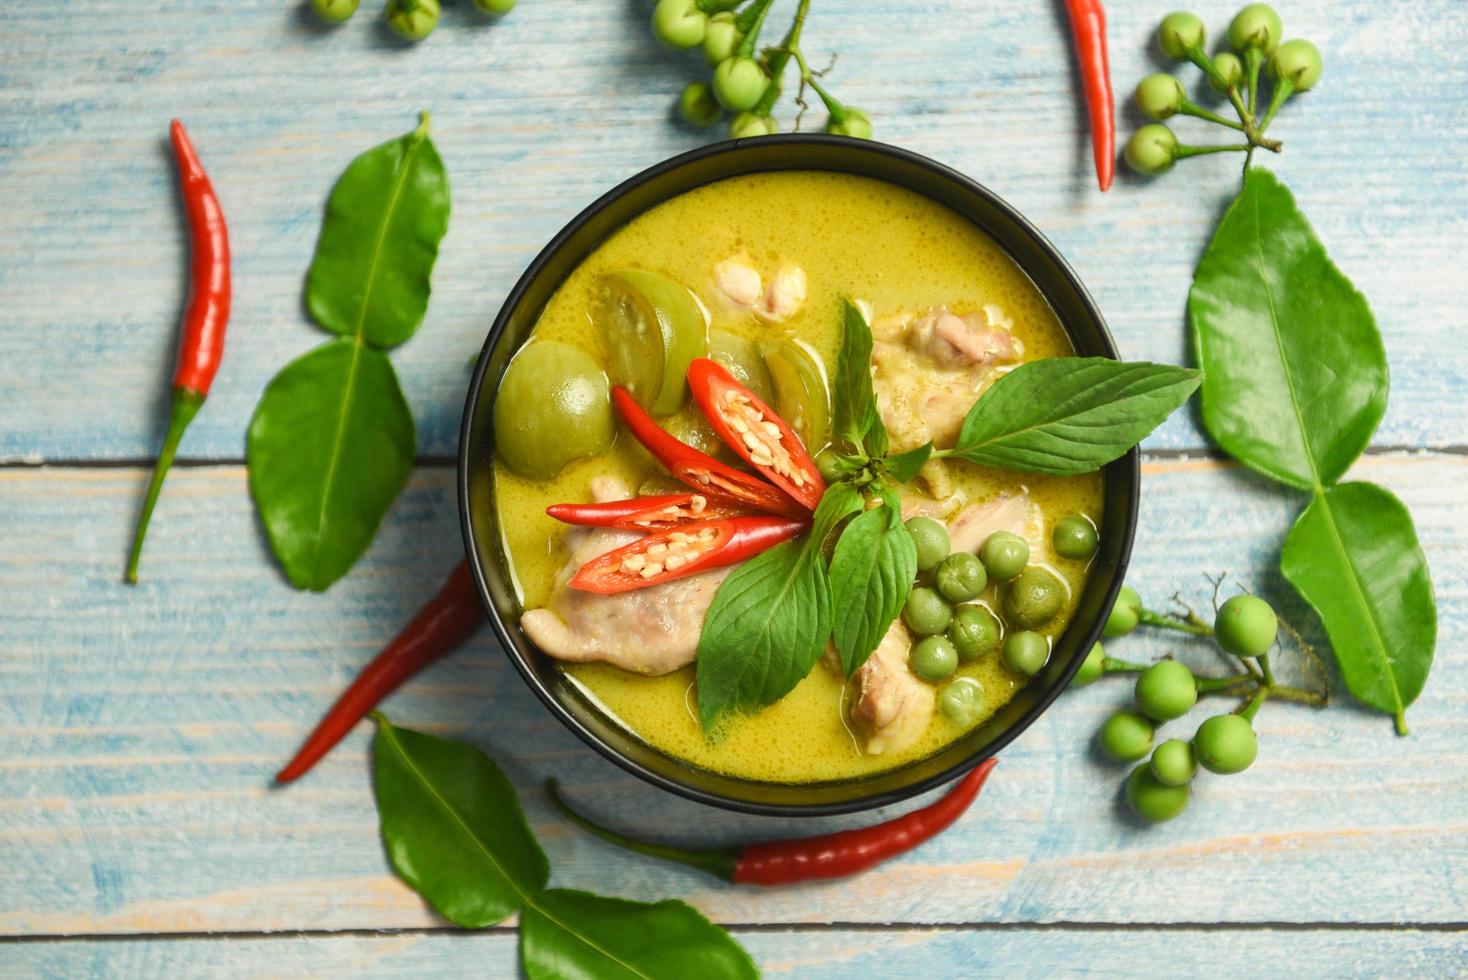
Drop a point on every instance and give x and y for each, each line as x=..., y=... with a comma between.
x=763, y=263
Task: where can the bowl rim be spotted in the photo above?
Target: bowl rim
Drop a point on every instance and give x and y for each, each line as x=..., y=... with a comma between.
x=1131, y=460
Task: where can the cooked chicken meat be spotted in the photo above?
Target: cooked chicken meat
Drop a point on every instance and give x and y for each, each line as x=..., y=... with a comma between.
x=741, y=286
x=929, y=371
x=891, y=706
x=650, y=631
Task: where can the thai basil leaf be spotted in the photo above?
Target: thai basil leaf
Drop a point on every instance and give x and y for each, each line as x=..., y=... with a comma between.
x=1068, y=415
x=872, y=571
x=904, y=466
x=1354, y=556
x=566, y=933
x=855, y=403
x=384, y=221
x=453, y=827
x=770, y=619
x=764, y=631
x=1296, y=374
x=329, y=448
x=837, y=503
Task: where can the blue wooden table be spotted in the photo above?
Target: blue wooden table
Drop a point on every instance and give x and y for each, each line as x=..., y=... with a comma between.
x=139, y=835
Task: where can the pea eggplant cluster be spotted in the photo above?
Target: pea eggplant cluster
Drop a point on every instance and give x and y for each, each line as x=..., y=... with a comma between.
x=412, y=20
x=746, y=81
x=1246, y=628
x=956, y=629
x=1255, y=42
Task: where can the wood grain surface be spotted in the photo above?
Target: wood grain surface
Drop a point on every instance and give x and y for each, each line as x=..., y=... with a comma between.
x=139, y=727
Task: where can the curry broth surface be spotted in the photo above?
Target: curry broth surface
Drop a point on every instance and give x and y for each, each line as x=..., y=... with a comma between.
x=854, y=237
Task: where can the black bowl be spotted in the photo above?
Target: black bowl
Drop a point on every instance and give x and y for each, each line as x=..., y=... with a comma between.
x=1050, y=273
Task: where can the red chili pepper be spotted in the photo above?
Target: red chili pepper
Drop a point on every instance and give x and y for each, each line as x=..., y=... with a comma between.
x=699, y=470
x=440, y=626
x=205, y=315
x=644, y=513
x=788, y=862
x=685, y=550
x=740, y=418
x=1088, y=26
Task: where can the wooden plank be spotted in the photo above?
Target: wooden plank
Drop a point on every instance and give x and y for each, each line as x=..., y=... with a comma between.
x=91, y=256
x=834, y=953
x=139, y=728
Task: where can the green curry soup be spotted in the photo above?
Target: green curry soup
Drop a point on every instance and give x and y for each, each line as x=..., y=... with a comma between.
x=902, y=256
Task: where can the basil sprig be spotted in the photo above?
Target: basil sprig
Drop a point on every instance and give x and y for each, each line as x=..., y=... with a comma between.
x=1296, y=384
x=455, y=832
x=771, y=619
x=331, y=443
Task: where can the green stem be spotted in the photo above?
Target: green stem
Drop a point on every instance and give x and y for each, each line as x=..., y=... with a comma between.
x=1314, y=699
x=1253, y=59
x=717, y=6
x=1211, y=685
x=718, y=862
x=1181, y=151
x=1111, y=665
x=185, y=406
x=1255, y=703
x=1189, y=108
x=1283, y=89
x=1264, y=669
x=1191, y=625
x=1199, y=57
x=749, y=24
x=780, y=58
x=1255, y=134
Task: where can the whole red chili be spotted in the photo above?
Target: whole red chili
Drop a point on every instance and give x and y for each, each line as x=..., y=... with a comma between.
x=1088, y=26
x=788, y=862
x=682, y=551
x=440, y=626
x=206, y=313
x=698, y=469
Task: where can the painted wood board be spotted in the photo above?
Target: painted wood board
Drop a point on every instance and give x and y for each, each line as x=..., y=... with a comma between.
x=539, y=113
x=834, y=953
x=139, y=728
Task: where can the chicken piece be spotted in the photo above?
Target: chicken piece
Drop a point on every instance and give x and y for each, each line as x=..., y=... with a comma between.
x=785, y=297
x=741, y=286
x=892, y=707
x=738, y=282
x=648, y=631
x=930, y=369
x=972, y=525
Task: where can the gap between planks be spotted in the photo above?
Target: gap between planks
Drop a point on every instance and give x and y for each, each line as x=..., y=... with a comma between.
x=776, y=927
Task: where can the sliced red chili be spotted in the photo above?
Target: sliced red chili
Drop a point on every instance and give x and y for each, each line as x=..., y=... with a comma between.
x=645, y=513
x=754, y=431
x=699, y=470
x=687, y=550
